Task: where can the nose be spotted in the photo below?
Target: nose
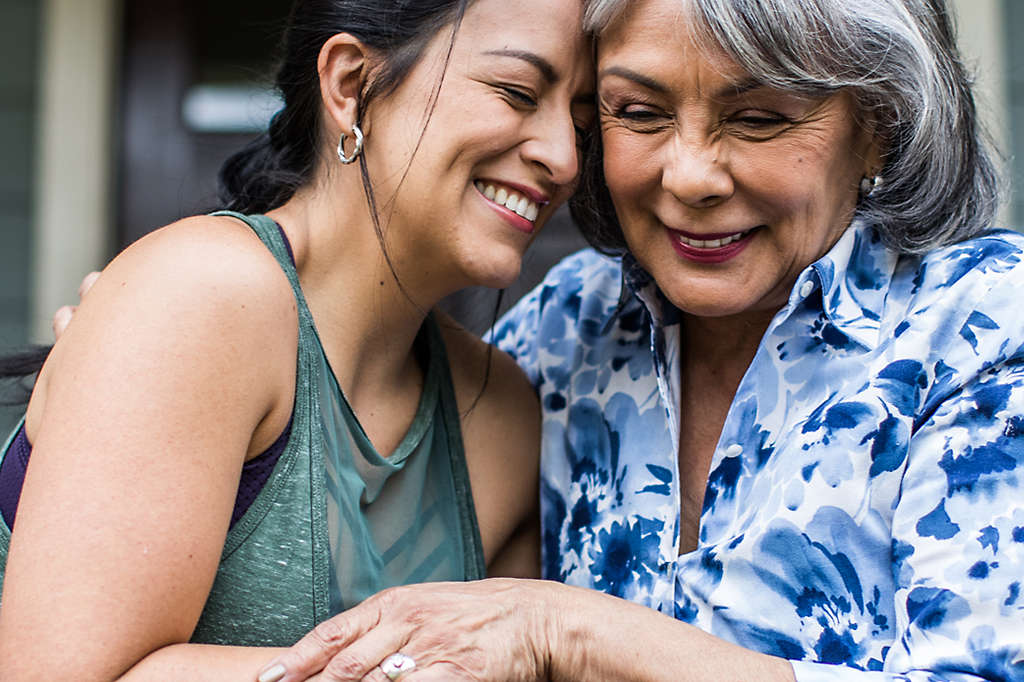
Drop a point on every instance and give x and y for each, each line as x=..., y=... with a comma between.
x=552, y=145
x=693, y=171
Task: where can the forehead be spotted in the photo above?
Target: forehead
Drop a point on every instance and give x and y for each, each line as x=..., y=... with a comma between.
x=659, y=34
x=554, y=26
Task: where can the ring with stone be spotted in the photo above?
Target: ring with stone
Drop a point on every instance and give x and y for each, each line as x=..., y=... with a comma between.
x=396, y=665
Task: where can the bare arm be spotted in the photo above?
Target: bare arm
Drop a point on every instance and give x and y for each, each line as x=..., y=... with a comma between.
x=520, y=630
x=598, y=637
x=140, y=424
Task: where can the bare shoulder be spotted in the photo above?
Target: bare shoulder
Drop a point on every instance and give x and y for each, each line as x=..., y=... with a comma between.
x=487, y=379
x=196, y=295
x=217, y=252
x=501, y=431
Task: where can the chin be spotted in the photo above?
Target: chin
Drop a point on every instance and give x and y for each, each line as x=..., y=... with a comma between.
x=494, y=272
x=710, y=304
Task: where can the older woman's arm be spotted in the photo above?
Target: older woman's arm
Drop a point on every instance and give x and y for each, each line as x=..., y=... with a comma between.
x=505, y=629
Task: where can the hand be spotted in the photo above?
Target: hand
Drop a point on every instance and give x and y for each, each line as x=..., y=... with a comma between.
x=486, y=630
x=63, y=316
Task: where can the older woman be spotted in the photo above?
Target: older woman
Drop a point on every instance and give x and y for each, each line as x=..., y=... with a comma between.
x=790, y=418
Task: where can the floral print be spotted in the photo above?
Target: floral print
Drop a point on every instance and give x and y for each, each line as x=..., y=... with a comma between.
x=864, y=513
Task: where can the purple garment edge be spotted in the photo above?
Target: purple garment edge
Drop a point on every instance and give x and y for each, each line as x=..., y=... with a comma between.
x=255, y=472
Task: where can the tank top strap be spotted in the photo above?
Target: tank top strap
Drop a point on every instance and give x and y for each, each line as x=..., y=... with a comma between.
x=270, y=234
x=475, y=565
x=294, y=495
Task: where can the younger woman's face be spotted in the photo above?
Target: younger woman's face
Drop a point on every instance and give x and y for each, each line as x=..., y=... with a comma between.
x=500, y=151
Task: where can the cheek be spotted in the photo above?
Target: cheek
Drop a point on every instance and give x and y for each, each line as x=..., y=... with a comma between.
x=630, y=170
x=803, y=185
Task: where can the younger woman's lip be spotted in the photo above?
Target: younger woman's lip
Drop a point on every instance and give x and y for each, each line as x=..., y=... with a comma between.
x=514, y=219
x=530, y=193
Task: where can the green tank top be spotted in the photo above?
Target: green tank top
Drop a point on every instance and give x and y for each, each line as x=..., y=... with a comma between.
x=337, y=522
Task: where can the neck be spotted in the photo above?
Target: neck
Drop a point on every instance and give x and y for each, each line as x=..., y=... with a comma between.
x=722, y=347
x=367, y=318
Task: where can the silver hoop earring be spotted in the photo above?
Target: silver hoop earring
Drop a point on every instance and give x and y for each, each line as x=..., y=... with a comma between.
x=355, y=152
x=868, y=185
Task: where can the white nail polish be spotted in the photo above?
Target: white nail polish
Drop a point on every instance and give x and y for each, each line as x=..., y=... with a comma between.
x=272, y=674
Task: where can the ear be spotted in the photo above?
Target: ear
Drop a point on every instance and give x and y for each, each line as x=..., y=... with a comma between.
x=872, y=153
x=874, y=159
x=343, y=66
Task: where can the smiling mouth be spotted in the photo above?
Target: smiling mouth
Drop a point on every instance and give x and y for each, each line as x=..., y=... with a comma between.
x=510, y=198
x=718, y=242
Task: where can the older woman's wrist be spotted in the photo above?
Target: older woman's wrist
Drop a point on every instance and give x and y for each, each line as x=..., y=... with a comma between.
x=563, y=630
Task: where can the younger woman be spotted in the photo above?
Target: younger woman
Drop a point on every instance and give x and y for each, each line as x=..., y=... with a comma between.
x=252, y=423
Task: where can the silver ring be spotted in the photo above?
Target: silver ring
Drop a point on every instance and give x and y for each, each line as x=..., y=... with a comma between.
x=397, y=664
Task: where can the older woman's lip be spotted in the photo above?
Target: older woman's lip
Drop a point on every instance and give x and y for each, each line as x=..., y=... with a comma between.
x=710, y=254
x=710, y=236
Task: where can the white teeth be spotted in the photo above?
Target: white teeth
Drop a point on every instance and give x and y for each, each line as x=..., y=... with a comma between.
x=521, y=205
x=711, y=243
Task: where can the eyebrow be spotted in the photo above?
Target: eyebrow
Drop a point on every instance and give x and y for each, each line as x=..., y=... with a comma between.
x=741, y=88
x=729, y=90
x=638, y=78
x=547, y=71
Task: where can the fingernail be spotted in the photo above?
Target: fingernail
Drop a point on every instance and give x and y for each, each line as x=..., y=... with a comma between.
x=272, y=674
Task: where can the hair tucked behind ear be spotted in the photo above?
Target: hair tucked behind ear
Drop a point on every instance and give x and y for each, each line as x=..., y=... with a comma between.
x=267, y=172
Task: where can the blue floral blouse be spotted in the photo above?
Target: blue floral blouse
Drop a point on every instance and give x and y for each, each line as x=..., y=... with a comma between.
x=864, y=515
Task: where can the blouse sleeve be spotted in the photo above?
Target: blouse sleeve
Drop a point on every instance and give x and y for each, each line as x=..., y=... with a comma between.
x=958, y=542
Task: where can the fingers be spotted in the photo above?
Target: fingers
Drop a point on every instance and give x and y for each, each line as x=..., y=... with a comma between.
x=311, y=654
x=61, y=319
x=87, y=283
x=377, y=675
x=438, y=672
x=364, y=656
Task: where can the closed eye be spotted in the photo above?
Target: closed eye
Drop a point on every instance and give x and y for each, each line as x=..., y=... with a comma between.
x=518, y=96
x=758, y=125
x=761, y=119
x=639, y=118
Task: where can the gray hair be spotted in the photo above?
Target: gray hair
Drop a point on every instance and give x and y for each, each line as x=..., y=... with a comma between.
x=898, y=59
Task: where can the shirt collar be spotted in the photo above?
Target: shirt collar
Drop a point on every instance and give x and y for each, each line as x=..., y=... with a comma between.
x=638, y=284
x=852, y=281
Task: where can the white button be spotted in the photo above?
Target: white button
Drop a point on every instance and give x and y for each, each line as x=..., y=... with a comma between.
x=734, y=450
x=806, y=288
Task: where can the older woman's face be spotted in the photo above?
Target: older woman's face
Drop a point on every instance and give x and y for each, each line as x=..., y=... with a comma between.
x=725, y=190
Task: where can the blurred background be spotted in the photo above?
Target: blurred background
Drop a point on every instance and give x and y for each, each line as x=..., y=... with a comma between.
x=116, y=114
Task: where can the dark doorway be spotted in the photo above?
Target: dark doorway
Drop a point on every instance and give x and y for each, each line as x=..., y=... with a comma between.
x=175, y=51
